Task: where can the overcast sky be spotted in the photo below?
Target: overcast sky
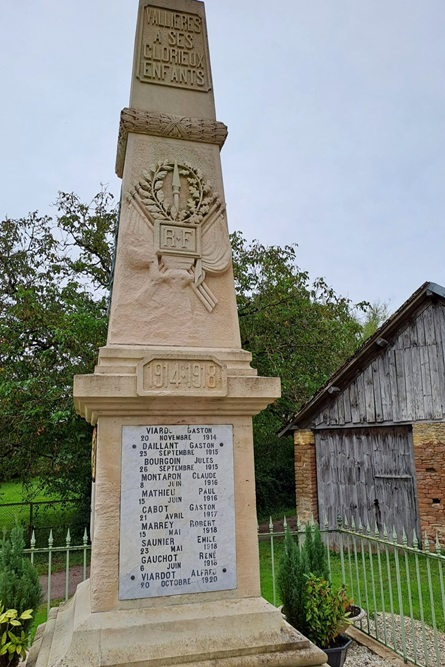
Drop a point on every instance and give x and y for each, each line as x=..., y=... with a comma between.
x=336, y=115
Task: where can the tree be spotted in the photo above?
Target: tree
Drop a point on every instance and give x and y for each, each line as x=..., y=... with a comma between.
x=298, y=330
x=53, y=304
x=376, y=314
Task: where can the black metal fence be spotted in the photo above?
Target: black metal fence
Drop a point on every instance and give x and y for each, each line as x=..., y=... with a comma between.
x=43, y=515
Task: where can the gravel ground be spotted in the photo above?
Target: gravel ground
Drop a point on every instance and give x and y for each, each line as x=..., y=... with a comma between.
x=421, y=648
x=360, y=656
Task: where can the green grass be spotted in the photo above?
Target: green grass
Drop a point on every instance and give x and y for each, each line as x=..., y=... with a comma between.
x=12, y=492
x=43, y=517
x=41, y=615
x=361, y=572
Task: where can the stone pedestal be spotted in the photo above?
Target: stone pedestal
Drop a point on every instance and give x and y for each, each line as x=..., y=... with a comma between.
x=174, y=569
x=225, y=627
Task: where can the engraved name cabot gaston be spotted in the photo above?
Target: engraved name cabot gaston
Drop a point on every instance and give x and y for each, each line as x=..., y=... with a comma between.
x=186, y=224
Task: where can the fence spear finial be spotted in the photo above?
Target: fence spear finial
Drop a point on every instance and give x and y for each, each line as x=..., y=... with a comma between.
x=404, y=538
x=394, y=535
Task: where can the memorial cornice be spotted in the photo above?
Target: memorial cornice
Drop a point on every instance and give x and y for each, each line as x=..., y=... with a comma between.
x=105, y=395
x=202, y=130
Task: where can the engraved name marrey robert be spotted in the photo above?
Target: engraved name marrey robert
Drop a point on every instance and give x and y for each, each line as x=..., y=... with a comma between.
x=177, y=510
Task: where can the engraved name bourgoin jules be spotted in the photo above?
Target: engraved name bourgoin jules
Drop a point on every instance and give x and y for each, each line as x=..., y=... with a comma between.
x=186, y=223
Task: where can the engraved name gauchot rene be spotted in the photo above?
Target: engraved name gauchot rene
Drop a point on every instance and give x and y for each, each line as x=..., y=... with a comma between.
x=174, y=565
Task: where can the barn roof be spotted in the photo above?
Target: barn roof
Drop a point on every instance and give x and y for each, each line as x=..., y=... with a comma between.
x=370, y=349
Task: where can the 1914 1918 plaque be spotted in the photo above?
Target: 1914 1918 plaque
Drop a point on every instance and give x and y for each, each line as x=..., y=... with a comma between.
x=177, y=526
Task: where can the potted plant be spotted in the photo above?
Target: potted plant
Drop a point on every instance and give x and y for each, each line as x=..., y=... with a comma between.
x=310, y=603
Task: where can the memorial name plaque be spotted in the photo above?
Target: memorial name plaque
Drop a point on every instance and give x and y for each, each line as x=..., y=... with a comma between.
x=177, y=526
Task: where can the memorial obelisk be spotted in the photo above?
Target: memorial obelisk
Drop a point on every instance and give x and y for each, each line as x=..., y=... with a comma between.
x=174, y=571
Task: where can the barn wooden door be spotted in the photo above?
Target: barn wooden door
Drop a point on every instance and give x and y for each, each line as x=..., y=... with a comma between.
x=368, y=474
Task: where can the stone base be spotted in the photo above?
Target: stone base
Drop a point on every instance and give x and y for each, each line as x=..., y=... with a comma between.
x=227, y=633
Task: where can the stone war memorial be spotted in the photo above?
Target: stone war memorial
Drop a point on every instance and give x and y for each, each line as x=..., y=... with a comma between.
x=174, y=570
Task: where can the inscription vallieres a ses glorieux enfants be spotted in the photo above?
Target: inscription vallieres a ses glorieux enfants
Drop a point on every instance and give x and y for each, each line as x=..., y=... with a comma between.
x=177, y=532
x=172, y=49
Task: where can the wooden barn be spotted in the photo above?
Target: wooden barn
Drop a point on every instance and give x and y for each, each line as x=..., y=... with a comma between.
x=370, y=444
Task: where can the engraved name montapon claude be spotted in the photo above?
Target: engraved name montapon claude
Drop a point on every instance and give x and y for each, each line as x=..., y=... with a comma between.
x=186, y=222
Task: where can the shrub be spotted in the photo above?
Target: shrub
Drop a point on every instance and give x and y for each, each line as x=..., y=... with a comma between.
x=310, y=603
x=13, y=639
x=291, y=581
x=19, y=583
x=316, y=551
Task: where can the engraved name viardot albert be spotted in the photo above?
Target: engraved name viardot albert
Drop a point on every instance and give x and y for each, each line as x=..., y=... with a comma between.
x=187, y=230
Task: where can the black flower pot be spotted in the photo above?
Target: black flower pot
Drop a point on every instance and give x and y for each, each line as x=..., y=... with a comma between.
x=337, y=653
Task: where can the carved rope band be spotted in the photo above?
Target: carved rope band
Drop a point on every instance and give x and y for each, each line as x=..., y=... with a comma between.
x=165, y=125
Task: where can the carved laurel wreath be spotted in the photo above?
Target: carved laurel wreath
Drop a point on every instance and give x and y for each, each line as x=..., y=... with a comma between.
x=151, y=193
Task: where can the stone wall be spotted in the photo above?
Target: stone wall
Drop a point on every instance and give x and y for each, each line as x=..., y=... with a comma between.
x=305, y=476
x=429, y=458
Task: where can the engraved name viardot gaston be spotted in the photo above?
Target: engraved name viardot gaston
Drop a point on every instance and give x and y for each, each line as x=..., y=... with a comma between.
x=187, y=231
